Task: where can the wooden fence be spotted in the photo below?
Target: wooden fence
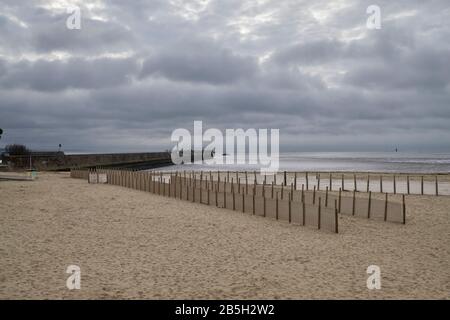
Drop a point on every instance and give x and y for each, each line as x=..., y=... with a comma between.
x=79, y=174
x=426, y=184
x=233, y=196
x=237, y=191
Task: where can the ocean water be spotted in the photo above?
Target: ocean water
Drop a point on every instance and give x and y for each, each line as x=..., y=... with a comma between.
x=344, y=161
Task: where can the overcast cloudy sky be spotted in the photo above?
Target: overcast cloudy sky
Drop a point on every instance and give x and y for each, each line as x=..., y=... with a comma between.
x=139, y=69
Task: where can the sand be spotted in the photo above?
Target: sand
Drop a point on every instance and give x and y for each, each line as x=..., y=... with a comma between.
x=132, y=244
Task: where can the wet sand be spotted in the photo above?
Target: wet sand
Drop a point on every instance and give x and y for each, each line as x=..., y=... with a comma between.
x=132, y=244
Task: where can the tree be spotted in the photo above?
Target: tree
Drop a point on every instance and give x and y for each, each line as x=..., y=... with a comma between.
x=17, y=150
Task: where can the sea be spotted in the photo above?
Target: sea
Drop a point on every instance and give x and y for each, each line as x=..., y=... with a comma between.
x=399, y=162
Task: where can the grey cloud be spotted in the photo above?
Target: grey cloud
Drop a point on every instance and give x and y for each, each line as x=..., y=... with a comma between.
x=94, y=37
x=199, y=62
x=73, y=73
x=279, y=64
x=315, y=52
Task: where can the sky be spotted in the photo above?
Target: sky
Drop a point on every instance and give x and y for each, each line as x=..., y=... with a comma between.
x=137, y=70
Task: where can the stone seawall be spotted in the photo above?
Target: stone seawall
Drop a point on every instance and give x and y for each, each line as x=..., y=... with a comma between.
x=60, y=161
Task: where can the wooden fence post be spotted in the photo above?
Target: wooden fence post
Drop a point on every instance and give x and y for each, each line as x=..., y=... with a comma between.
x=254, y=204
x=174, y=183
x=314, y=195
x=225, y=198
x=303, y=213
x=369, y=204
x=232, y=185
x=404, y=208
x=395, y=185
x=295, y=181
x=276, y=207
x=130, y=179
x=355, y=187
x=170, y=186
x=233, y=197
x=272, y=190
x=254, y=189
x=246, y=183
x=407, y=183
x=319, y=215
x=290, y=203
x=264, y=189
x=436, y=185
x=181, y=186
x=217, y=202
x=292, y=192
x=318, y=180
x=285, y=178
x=136, y=180
x=421, y=185
x=144, y=181
x=381, y=183
x=140, y=179
x=330, y=185
x=307, y=184
x=336, y=227
x=353, y=205
x=385, y=206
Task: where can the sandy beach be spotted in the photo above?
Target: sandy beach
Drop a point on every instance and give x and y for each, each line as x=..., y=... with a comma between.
x=135, y=245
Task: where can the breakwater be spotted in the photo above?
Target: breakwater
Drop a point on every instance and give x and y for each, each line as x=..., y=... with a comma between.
x=61, y=161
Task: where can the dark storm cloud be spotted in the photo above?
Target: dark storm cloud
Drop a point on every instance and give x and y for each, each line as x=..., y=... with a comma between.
x=137, y=70
x=43, y=75
x=199, y=62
